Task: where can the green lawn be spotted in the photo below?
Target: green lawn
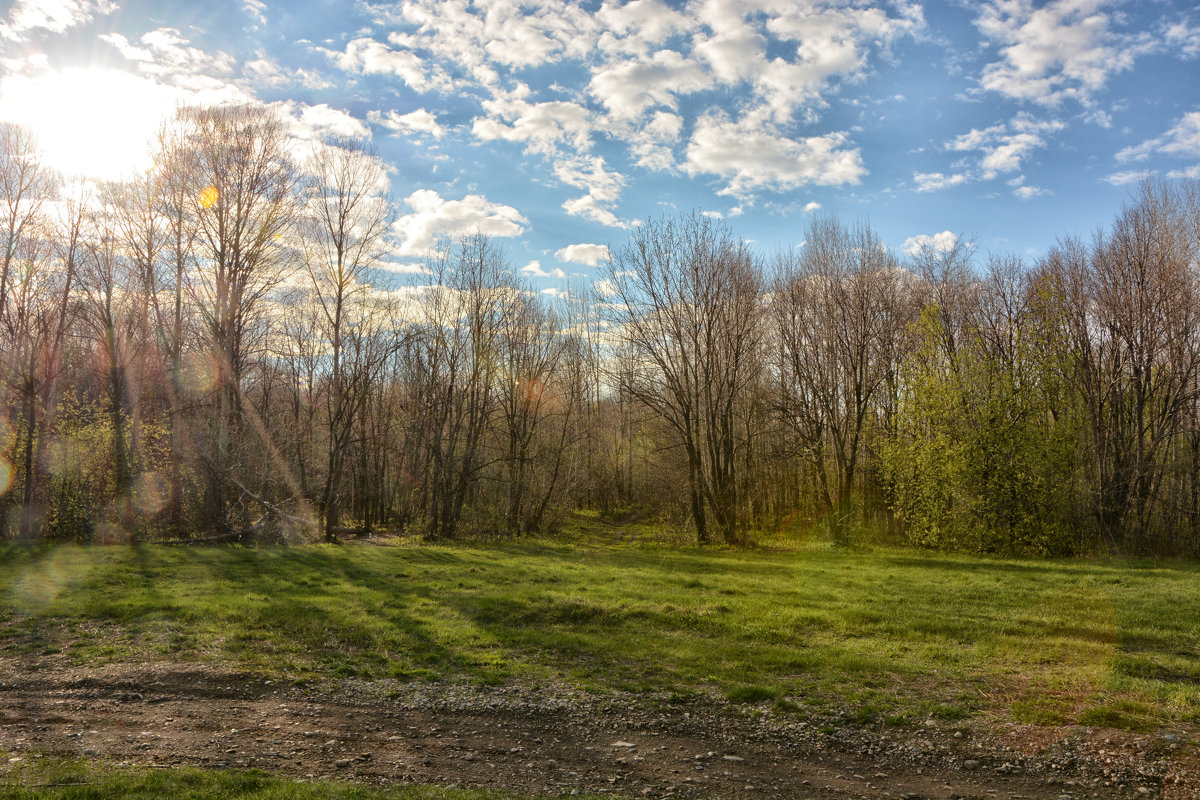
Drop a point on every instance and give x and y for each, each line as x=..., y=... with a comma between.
x=890, y=636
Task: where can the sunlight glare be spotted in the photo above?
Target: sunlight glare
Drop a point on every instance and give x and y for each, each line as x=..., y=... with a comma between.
x=93, y=122
x=209, y=197
x=150, y=493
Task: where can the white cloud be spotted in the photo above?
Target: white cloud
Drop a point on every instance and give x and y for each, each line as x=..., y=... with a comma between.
x=256, y=10
x=752, y=158
x=1182, y=139
x=322, y=122
x=1126, y=176
x=55, y=16
x=1183, y=39
x=1191, y=173
x=432, y=216
x=540, y=126
x=639, y=61
x=935, y=181
x=1025, y=192
x=375, y=58
x=604, y=287
x=942, y=242
x=589, y=208
x=652, y=143
x=812, y=206
x=263, y=71
x=1065, y=49
x=534, y=270
x=419, y=121
x=583, y=253
x=403, y=268
x=634, y=27
x=627, y=89
x=603, y=188
x=1004, y=146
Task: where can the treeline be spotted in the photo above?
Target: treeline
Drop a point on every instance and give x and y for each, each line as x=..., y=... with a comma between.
x=210, y=349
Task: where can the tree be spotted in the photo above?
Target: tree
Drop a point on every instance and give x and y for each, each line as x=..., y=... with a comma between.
x=1132, y=310
x=346, y=215
x=686, y=301
x=841, y=309
x=240, y=199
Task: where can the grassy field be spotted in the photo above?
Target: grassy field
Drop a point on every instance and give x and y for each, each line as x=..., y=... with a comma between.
x=885, y=636
x=66, y=779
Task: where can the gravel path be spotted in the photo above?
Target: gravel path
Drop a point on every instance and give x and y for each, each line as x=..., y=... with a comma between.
x=555, y=742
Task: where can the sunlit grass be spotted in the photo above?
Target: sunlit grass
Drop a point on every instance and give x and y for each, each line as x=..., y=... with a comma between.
x=883, y=636
x=35, y=778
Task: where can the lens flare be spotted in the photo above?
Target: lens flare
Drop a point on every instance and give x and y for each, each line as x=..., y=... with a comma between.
x=109, y=533
x=198, y=373
x=150, y=493
x=209, y=197
x=46, y=579
x=58, y=458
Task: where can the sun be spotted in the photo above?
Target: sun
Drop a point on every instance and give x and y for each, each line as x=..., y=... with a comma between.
x=94, y=122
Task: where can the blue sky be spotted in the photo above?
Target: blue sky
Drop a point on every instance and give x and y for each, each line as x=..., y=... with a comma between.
x=555, y=126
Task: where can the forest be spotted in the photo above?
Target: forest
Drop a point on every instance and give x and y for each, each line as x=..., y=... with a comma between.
x=215, y=349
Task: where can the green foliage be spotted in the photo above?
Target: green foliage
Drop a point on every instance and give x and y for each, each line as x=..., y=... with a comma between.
x=985, y=446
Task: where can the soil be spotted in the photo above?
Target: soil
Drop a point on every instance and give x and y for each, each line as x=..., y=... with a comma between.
x=554, y=741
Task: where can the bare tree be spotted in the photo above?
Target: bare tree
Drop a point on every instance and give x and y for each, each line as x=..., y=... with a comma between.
x=346, y=215
x=240, y=199
x=686, y=300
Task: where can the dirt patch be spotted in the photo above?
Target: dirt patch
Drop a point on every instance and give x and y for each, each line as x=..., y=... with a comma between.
x=555, y=741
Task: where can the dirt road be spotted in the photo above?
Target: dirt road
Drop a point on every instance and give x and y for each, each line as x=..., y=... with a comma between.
x=554, y=742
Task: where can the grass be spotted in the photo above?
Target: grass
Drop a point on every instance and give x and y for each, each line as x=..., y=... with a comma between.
x=69, y=779
x=887, y=636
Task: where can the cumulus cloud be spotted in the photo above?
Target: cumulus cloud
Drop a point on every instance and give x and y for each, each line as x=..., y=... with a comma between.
x=583, y=253
x=433, y=216
x=1181, y=139
x=637, y=63
x=541, y=127
x=1066, y=49
x=652, y=144
x=256, y=10
x=942, y=242
x=263, y=71
x=323, y=122
x=370, y=57
x=1125, y=177
x=1005, y=146
x=812, y=206
x=54, y=16
x=534, y=270
x=604, y=287
x=1025, y=191
x=935, y=181
x=628, y=88
x=419, y=121
x=1182, y=38
x=751, y=158
x=603, y=188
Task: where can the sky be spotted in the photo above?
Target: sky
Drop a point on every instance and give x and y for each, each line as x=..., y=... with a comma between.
x=556, y=127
